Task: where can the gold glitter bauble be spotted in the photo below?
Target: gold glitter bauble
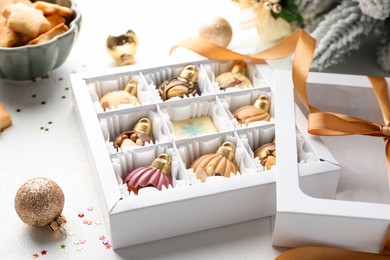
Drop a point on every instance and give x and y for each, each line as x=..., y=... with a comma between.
x=217, y=30
x=39, y=202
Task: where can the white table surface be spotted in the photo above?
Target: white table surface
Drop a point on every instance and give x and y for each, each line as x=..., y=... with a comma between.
x=45, y=139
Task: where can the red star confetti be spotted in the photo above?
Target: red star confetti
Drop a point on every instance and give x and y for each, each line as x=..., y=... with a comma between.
x=108, y=246
x=102, y=237
x=81, y=214
x=43, y=252
x=35, y=256
x=63, y=246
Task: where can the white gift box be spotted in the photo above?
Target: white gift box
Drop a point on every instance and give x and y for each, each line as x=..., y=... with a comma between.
x=359, y=216
x=187, y=205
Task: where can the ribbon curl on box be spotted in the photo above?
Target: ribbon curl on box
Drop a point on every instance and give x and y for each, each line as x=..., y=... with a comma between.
x=302, y=45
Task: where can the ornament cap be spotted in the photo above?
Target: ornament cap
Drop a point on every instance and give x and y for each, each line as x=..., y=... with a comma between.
x=189, y=74
x=144, y=125
x=163, y=163
x=131, y=87
x=228, y=150
x=57, y=223
x=263, y=102
x=239, y=67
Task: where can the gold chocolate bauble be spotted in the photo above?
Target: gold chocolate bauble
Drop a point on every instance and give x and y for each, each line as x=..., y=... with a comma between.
x=39, y=202
x=221, y=163
x=141, y=133
x=183, y=85
x=122, y=48
x=267, y=155
x=217, y=30
x=259, y=111
x=236, y=77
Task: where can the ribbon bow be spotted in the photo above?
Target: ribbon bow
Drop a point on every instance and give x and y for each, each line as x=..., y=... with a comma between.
x=302, y=45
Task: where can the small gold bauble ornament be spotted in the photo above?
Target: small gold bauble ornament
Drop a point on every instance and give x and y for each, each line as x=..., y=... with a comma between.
x=183, y=85
x=259, y=111
x=235, y=78
x=126, y=96
x=267, y=155
x=220, y=163
x=39, y=202
x=217, y=30
x=122, y=48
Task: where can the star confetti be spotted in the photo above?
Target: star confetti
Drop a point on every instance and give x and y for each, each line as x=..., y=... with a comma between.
x=81, y=214
x=79, y=248
x=35, y=256
x=102, y=237
x=87, y=222
x=82, y=241
x=108, y=246
x=71, y=233
x=63, y=246
x=43, y=252
x=76, y=242
x=105, y=242
x=90, y=209
x=97, y=222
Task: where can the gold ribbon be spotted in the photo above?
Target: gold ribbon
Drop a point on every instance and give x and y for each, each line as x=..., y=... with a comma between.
x=302, y=45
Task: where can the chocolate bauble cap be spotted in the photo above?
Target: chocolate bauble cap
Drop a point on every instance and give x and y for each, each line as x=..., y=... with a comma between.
x=263, y=102
x=239, y=67
x=228, y=150
x=163, y=163
x=131, y=87
x=189, y=74
x=144, y=125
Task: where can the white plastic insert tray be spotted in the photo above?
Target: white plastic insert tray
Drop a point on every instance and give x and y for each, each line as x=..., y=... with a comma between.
x=189, y=205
